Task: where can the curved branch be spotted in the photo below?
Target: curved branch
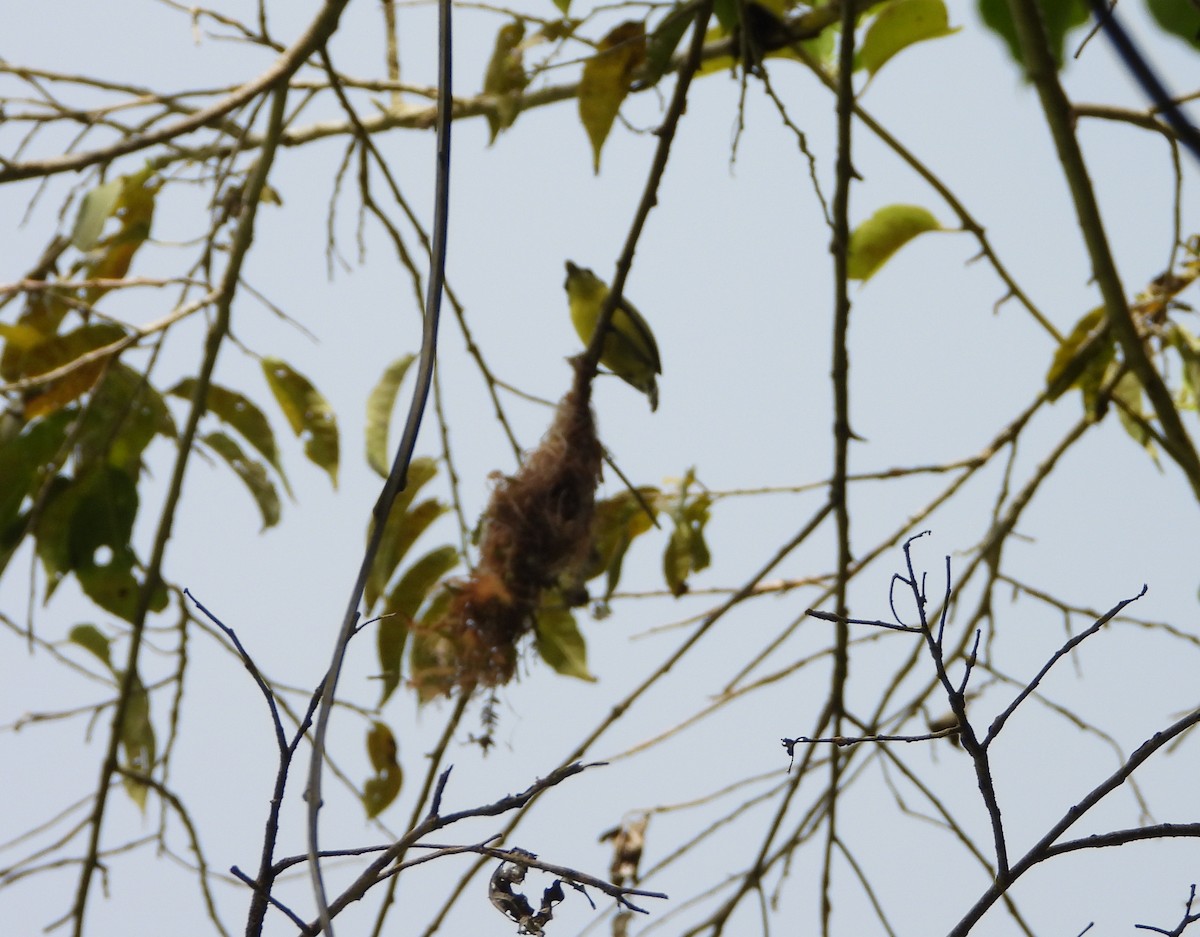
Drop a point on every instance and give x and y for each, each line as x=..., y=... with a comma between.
x=280, y=71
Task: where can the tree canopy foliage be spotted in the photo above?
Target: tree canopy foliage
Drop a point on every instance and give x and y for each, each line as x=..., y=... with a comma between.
x=618, y=614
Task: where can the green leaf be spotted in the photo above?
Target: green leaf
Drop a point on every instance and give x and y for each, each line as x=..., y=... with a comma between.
x=381, y=789
x=686, y=552
x=253, y=475
x=728, y=14
x=1188, y=348
x=617, y=522
x=307, y=412
x=137, y=739
x=665, y=40
x=24, y=458
x=1178, y=17
x=1058, y=16
x=400, y=609
x=95, y=209
x=1133, y=415
x=560, y=644
x=401, y=529
x=505, y=79
x=1083, y=356
x=85, y=528
x=874, y=241
x=124, y=415
x=240, y=413
x=564, y=6
x=900, y=24
x=380, y=404
x=92, y=639
x=607, y=78
x=114, y=585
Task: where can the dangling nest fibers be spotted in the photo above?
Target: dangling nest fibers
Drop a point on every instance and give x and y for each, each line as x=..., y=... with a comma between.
x=536, y=527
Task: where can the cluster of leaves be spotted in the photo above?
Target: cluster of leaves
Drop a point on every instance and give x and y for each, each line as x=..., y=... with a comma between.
x=77, y=422
x=634, y=55
x=440, y=631
x=1090, y=358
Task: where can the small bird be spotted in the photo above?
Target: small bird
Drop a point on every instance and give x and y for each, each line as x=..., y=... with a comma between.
x=630, y=351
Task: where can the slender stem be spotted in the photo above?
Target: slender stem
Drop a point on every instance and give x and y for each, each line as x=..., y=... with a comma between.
x=1059, y=116
x=840, y=374
x=397, y=477
x=216, y=336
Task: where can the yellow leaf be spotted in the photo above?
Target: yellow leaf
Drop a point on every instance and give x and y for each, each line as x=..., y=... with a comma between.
x=381, y=789
x=606, y=80
x=899, y=25
x=874, y=241
x=505, y=78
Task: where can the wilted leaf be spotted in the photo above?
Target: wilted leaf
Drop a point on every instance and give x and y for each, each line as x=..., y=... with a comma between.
x=401, y=607
x=1058, y=16
x=900, y=24
x=111, y=257
x=686, y=552
x=380, y=404
x=402, y=528
x=505, y=78
x=92, y=639
x=61, y=350
x=307, y=412
x=43, y=314
x=253, y=475
x=95, y=209
x=874, y=241
x=560, y=644
x=607, y=77
x=243, y=415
